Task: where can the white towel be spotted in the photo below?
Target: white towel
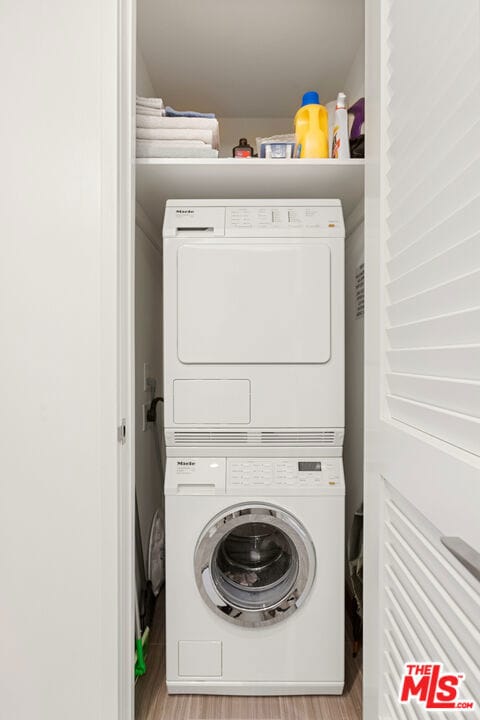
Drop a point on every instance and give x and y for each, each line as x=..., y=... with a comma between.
x=181, y=123
x=205, y=136
x=149, y=102
x=154, y=112
x=175, y=143
x=169, y=149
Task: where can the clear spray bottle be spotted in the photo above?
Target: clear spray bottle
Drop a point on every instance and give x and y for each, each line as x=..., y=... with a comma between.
x=340, y=143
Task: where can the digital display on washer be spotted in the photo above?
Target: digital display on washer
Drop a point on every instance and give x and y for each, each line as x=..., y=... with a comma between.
x=309, y=466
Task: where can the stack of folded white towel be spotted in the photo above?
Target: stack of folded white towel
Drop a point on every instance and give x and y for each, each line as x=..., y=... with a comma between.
x=166, y=133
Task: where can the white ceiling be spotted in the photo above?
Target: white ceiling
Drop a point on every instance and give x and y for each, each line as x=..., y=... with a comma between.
x=248, y=59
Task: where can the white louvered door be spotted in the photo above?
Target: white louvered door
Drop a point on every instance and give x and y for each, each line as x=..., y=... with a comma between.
x=422, y=494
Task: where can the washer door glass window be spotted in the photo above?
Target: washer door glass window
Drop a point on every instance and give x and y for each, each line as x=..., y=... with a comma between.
x=254, y=564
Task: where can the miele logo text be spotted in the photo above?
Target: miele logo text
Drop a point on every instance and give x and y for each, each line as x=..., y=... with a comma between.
x=187, y=463
x=428, y=684
x=185, y=212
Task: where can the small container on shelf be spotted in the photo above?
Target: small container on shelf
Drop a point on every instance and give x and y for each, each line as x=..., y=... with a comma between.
x=243, y=149
x=311, y=127
x=340, y=140
x=281, y=147
x=357, y=133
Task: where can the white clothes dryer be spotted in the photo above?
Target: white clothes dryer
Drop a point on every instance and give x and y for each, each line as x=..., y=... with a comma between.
x=253, y=324
x=254, y=575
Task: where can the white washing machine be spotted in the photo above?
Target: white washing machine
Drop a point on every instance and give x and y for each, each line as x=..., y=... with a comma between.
x=254, y=575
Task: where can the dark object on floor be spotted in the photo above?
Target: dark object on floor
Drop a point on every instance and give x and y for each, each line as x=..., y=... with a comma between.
x=147, y=597
x=355, y=564
x=357, y=627
x=355, y=558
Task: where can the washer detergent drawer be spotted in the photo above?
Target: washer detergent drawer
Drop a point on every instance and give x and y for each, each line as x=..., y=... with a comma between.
x=254, y=302
x=195, y=476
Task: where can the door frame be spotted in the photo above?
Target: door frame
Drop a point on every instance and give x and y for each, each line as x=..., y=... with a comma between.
x=374, y=212
x=125, y=547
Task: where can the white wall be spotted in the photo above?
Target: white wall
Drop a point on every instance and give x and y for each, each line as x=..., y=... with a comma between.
x=354, y=330
x=58, y=411
x=144, y=82
x=148, y=349
x=354, y=367
x=355, y=82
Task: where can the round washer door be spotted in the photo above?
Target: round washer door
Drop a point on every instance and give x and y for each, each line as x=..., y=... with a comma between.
x=254, y=564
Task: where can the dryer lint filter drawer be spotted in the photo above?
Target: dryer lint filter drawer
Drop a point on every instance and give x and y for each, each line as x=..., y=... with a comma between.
x=205, y=402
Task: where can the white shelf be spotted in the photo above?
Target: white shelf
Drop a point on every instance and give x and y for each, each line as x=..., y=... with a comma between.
x=158, y=180
x=317, y=162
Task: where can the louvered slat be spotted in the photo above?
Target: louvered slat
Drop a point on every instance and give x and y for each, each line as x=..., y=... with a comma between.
x=464, y=596
x=438, y=207
x=462, y=628
x=457, y=328
x=456, y=261
x=431, y=604
x=433, y=219
x=395, y=667
x=428, y=632
x=444, y=236
x=461, y=293
x=406, y=34
x=407, y=642
x=457, y=396
x=454, y=428
x=432, y=63
x=461, y=363
x=427, y=168
x=433, y=127
x=392, y=683
x=397, y=649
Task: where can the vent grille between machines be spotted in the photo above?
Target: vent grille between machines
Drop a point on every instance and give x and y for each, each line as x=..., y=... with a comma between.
x=252, y=437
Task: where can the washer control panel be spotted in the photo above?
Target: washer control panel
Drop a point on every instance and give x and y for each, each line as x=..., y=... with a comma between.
x=284, y=475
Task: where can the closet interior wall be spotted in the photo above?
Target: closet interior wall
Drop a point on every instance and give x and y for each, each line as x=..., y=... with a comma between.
x=354, y=367
x=149, y=454
x=149, y=461
x=354, y=330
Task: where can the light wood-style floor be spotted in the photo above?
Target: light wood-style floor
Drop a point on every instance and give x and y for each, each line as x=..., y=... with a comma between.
x=152, y=701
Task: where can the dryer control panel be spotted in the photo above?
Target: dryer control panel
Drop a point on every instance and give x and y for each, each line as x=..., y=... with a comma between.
x=284, y=476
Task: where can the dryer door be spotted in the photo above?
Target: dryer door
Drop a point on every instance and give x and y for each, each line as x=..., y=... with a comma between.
x=254, y=564
x=254, y=302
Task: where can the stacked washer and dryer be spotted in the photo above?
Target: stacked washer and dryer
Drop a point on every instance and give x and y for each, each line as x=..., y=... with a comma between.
x=254, y=426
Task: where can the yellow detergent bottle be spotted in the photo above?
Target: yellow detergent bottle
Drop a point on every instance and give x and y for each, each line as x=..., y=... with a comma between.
x=311, y=128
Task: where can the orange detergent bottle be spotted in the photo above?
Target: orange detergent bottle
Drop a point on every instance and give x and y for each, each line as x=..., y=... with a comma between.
x=311, y=128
